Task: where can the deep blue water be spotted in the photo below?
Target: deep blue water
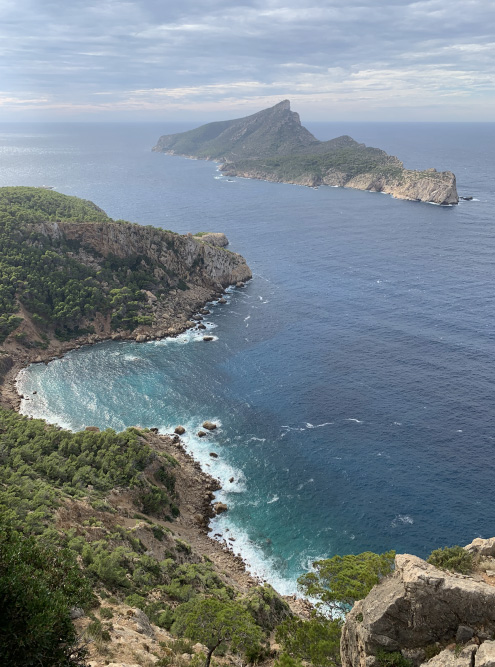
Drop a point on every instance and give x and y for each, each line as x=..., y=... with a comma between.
x=354, y=378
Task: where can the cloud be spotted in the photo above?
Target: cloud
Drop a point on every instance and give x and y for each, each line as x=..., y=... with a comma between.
x=113, y=56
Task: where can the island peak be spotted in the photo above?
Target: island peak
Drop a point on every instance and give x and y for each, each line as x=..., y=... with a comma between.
x=273, y=145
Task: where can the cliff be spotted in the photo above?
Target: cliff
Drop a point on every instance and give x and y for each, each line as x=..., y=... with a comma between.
x=273, y=145
x=69, y=272
x=427, y=615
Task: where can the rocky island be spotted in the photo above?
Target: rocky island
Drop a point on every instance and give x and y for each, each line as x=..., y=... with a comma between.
x=273, y=145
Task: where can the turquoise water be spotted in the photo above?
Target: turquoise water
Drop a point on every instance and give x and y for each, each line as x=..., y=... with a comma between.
x=353, y=379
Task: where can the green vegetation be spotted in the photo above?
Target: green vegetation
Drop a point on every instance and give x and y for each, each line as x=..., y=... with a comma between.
x=391, y=659
x=213, y=623
x=339, y=581
x=39, y=583
x=452, y=558
x=61, y=283
x=350, y=160
x=316, y=641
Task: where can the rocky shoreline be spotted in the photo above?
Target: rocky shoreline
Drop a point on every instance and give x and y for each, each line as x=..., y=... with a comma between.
x=196, y=486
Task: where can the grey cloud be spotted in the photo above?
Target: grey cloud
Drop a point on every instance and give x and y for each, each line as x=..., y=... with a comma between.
x=70, y=52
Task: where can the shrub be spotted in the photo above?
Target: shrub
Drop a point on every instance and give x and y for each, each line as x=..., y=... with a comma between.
x=38, y=585
x=391, y=659
x=452, y=558
x=316, y=641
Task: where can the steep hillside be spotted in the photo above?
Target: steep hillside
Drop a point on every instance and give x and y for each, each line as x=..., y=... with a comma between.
x=273, y=145
x=69, y=271
x=274, y=131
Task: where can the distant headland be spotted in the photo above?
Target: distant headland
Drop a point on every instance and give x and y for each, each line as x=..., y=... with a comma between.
x=272, y=145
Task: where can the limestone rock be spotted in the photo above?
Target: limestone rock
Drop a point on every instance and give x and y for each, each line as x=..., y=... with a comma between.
x=482, y=548
x=209, y=425
x=450, y=658
x=76, y=612
x=485, y=656
x=220, y=508
x=213, y=238
x=143, y=625
x=141, y=338
x=179, y=430
x=414, y=607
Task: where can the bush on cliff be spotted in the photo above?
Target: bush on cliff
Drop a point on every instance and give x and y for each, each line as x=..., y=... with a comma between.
x=339, y=581
x=452, y=558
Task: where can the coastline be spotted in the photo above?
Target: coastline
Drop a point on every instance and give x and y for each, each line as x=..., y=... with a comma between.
x=196, y=486
x=418, y=186
x=171, y=326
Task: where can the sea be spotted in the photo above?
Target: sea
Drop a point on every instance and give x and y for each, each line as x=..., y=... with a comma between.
x=352, y=380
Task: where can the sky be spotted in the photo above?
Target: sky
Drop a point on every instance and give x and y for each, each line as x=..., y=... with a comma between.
x=150, y=60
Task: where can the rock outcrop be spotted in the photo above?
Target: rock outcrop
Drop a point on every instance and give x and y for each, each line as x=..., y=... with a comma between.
x=182, y=256
x=414, y=608
x=213, y=238
x=272, y=145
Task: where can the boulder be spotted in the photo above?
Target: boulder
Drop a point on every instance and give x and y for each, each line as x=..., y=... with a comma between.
x=207, y=338
x=222, y=300
x=76, y=612
x=94, y=429
x=209, y=425
x=201, y=434
x=450, y=657
x=201, y=326
x=220, y=508
x=482, y=548
x=179, y=430
x=415, y=607
x=485, y=656
x=214, y=455
x=143, y=625
x=141, y=338
x=464, y=634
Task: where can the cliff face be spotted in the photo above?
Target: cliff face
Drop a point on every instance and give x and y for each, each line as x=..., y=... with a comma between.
x=184, y=257
x=272, y=145
x=423, y=611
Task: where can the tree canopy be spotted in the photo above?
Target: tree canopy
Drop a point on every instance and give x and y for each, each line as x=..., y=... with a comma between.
x=339, y=581
x=213, y=622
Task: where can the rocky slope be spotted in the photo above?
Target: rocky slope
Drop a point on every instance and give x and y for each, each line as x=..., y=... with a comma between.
x=429, y=615
x=273, y=145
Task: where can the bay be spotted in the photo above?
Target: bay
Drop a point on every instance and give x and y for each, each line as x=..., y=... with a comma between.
x=353, y=378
